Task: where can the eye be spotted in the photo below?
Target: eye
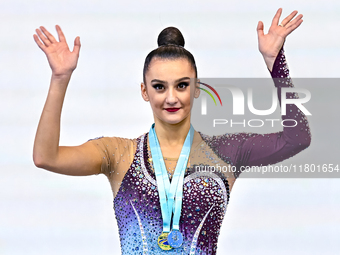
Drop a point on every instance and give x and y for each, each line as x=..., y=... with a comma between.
x=158, y=86
x=183, y=85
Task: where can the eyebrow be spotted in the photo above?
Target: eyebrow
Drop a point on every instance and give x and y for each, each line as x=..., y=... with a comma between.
x=160, y=81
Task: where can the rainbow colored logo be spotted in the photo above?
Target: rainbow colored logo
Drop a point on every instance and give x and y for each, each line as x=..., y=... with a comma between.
x=209, y=92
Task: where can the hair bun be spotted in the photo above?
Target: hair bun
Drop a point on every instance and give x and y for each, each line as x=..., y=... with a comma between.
x=170, y=35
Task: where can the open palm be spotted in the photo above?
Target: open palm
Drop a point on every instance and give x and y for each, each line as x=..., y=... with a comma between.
x=62, y=61
x=271, y=43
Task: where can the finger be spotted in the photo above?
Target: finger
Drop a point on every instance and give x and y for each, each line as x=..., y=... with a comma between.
x=48, y=35
x=77, y=45
x=39, y=43
x=297, y=19
x=259, y=29
x=43, y=37
x=277, y=17
x=294, y=26
x=60, y=34
x=289, y=18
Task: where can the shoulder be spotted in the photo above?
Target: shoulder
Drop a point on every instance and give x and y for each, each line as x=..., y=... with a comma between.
x=115, y=142
x=114, y=149
x=230, y=137
x=229, y=146
x=111, y=140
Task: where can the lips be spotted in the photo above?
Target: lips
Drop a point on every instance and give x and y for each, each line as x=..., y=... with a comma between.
x=172, y=109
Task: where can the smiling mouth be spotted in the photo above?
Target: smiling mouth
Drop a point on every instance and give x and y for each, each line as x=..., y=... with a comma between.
x=172, y=109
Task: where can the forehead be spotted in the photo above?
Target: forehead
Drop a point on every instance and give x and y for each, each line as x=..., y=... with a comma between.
x=169, y=69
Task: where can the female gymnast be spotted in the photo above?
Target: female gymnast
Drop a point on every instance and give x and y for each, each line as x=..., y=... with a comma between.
x=163, y=203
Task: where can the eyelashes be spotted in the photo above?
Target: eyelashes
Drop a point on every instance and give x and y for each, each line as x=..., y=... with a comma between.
x=180, y=86
x=185, y=84
x=157, y=86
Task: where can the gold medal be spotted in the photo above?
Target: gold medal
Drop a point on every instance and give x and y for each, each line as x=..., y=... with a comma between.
x=163, y=241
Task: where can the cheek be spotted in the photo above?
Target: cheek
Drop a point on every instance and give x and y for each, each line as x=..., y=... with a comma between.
x=186, y=99
x=156, y=101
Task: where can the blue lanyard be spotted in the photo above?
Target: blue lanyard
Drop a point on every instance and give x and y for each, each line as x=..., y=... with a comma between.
x=166, y=190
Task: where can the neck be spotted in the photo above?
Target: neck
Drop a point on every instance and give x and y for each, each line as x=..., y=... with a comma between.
x=172, y=134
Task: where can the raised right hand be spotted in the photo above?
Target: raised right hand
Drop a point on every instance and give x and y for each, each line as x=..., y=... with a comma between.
x=84, y=159
x=62, y=61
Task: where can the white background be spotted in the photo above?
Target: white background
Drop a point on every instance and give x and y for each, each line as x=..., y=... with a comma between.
x=47, y=213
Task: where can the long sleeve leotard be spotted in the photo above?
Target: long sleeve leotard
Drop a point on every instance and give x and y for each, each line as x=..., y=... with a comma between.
x=251, y=149
x=128, y=165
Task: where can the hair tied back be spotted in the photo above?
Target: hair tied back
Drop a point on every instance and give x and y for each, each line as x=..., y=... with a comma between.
x=171, y=44
x=170, y=36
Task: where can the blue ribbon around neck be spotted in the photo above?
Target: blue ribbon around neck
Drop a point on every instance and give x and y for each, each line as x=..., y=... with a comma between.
x=170, y=192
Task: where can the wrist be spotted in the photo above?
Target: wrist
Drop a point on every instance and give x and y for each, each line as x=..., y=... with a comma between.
x=269, y=62
x=59, y=82
x=61, y=76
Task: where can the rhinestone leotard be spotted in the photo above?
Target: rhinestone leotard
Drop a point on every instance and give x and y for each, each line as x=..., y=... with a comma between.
x=128, y=166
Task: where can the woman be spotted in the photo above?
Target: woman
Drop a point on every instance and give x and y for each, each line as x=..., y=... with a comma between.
x=136, y=167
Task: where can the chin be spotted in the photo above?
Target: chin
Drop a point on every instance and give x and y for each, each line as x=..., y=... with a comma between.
x=174, y=120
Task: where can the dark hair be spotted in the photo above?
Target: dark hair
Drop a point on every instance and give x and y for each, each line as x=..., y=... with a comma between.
x=170, y=46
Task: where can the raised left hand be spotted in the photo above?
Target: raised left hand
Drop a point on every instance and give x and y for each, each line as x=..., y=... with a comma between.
x=271, y=43
x=62, y=61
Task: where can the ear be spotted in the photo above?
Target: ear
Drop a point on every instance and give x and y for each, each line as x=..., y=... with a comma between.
x=144, y=92
x=197, y=90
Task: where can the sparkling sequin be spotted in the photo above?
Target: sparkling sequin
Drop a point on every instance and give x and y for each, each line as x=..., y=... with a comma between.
x=206, y=192
x=145, y=244
x=146, y=214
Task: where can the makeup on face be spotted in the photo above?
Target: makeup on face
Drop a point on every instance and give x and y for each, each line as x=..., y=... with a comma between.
x=169, y=88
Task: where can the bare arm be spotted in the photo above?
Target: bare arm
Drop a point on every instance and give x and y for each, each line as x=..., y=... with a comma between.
x=71, y=160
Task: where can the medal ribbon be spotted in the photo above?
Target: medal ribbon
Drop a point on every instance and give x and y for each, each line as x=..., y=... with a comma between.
x=167, y=190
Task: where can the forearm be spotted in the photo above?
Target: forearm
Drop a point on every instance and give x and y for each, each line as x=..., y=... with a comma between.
x=296, y=132
x=269, y=62
x=46, y=144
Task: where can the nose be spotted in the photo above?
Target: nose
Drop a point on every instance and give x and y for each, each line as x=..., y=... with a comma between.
x=171, y=96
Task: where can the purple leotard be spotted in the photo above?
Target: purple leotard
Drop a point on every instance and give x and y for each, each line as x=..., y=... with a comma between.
x=251, y=149
x=205, y=194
